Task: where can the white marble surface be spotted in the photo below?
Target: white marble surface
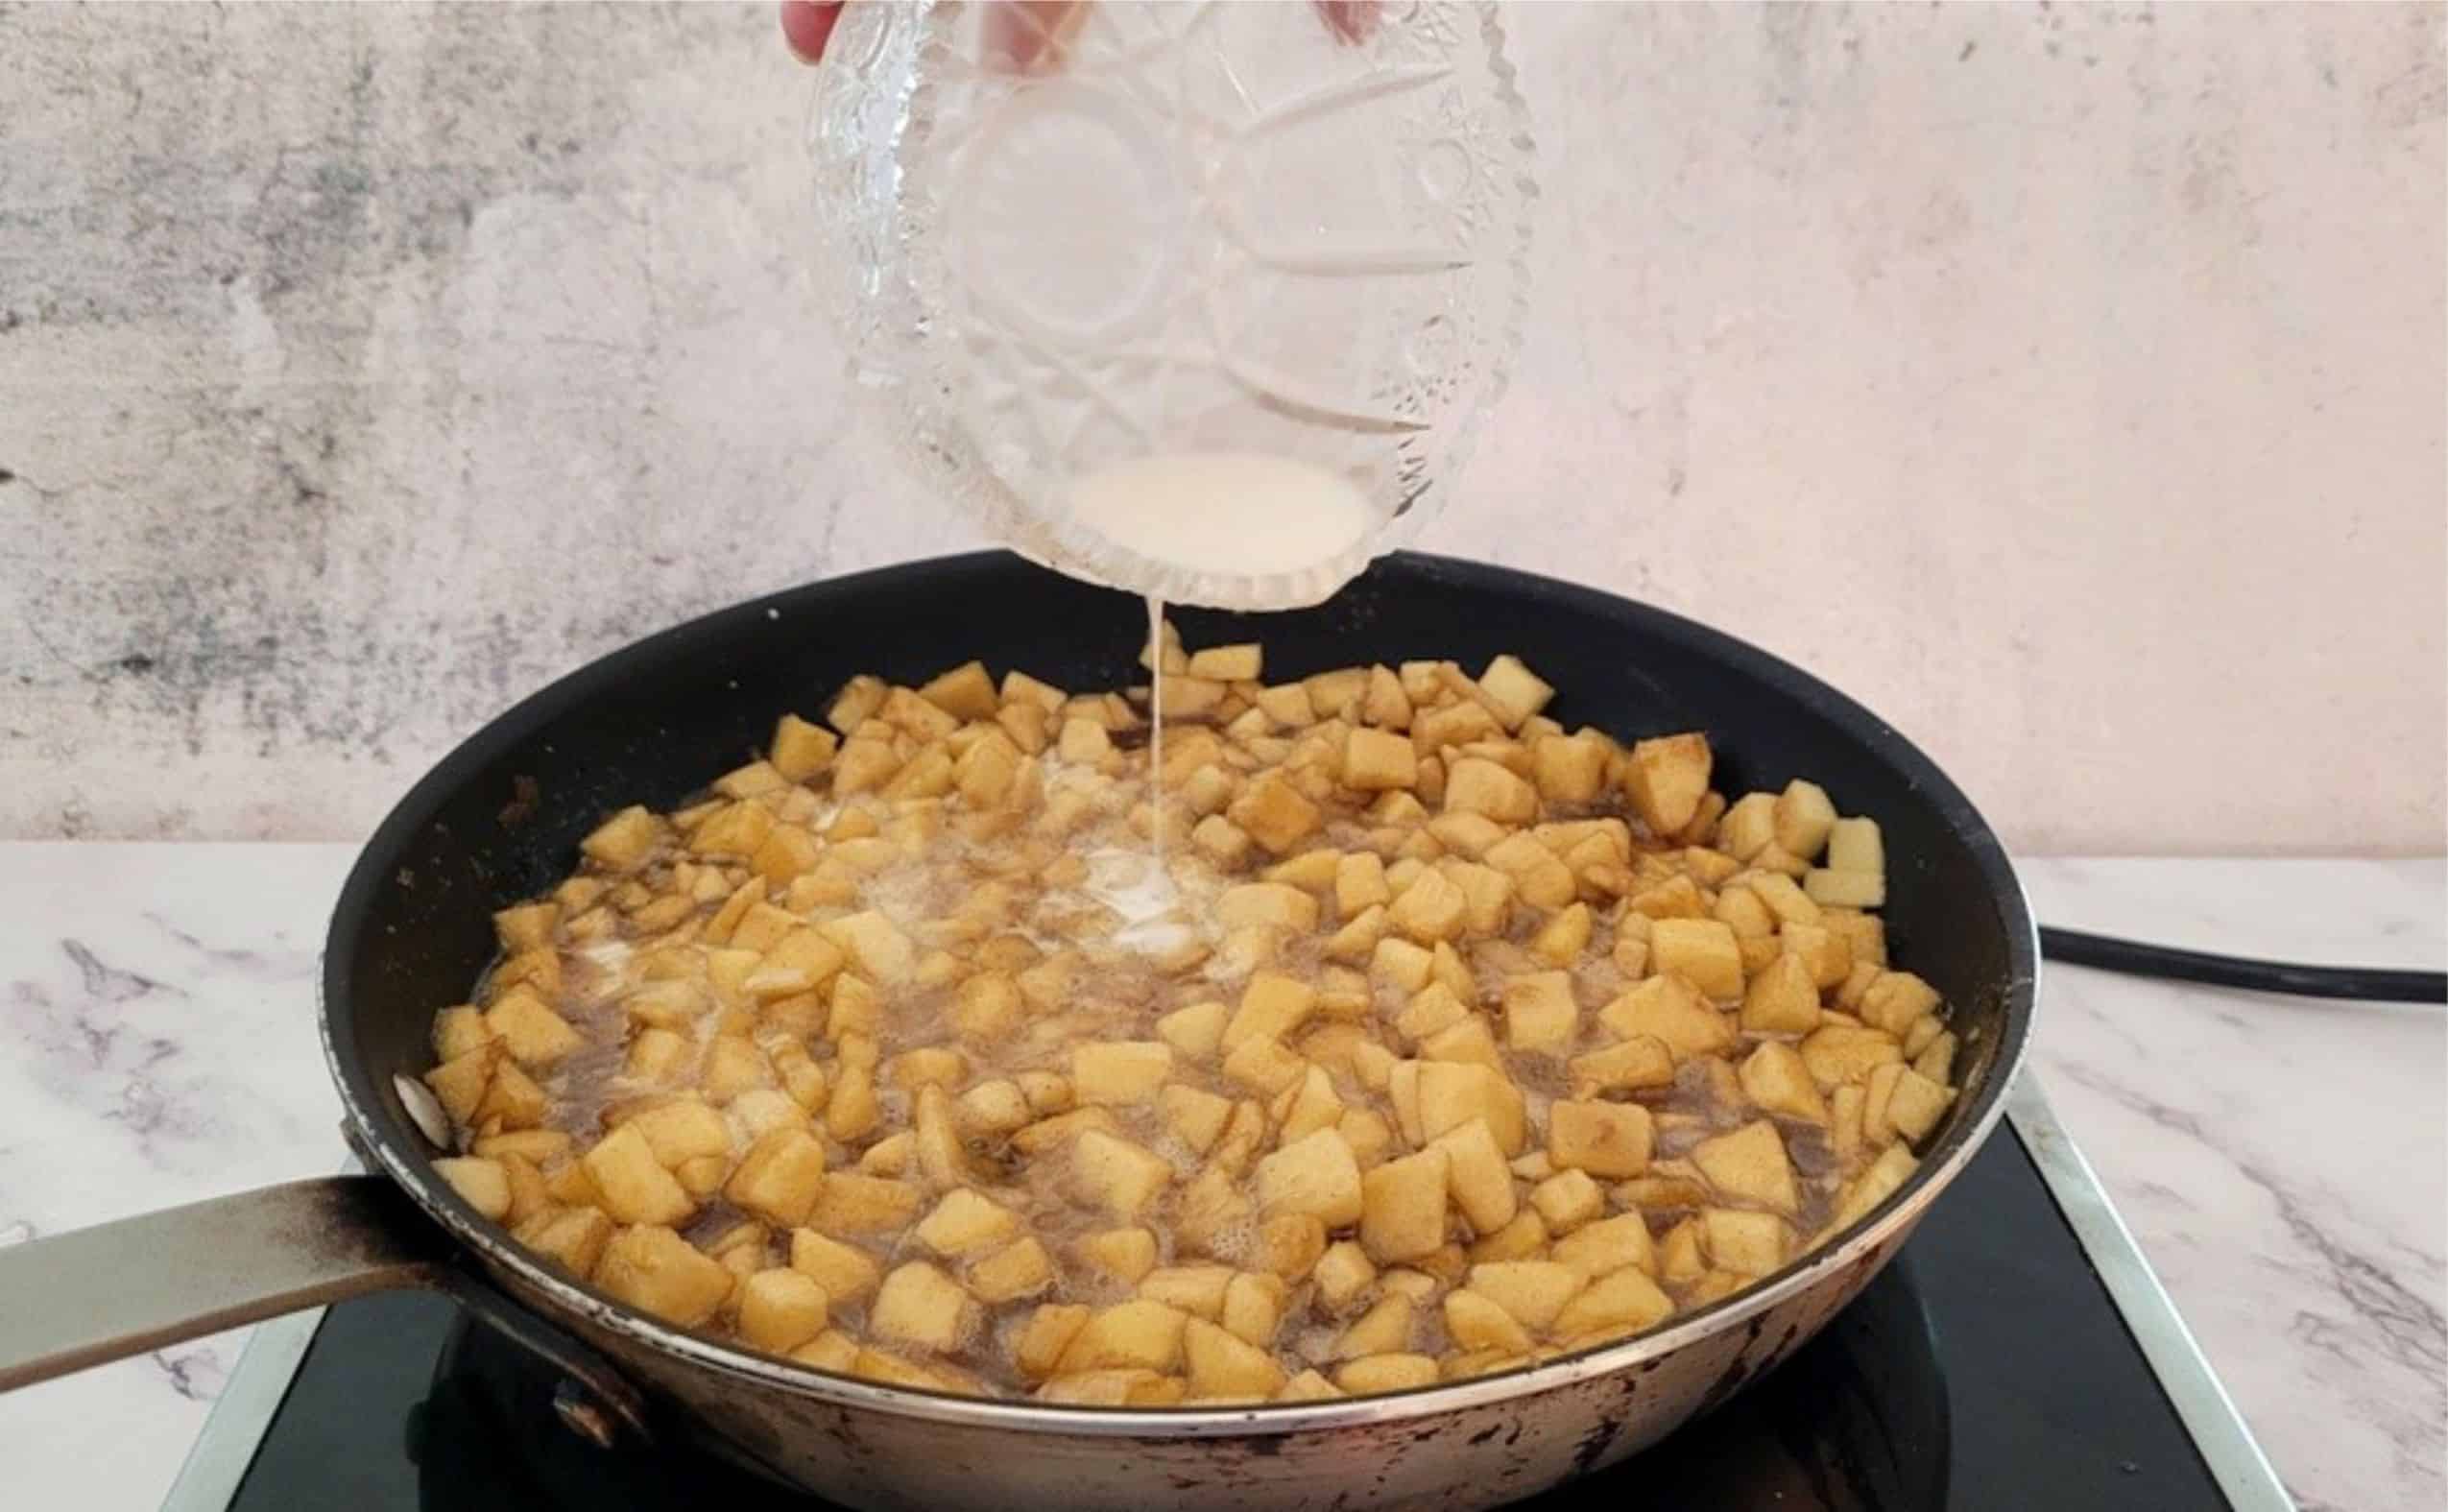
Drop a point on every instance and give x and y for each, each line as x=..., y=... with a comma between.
x=161, y=1048
x=1953, y=351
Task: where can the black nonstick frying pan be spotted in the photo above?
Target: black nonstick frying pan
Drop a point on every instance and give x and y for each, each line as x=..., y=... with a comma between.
x=499, y=819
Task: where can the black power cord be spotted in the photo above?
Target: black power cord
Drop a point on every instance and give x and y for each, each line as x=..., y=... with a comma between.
x=2361, y=983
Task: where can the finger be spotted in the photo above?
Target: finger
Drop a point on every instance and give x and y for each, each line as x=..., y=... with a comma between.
x=1350, y=20
x=807, y=25
x=1031, y=36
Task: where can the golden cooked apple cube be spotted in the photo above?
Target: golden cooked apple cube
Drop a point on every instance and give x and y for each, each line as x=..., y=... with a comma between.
x=526, y=927
x=1639, y=1062
x=1752, y=1243
x=1450, y=1094
x=482, y=1181
x=735, y=830
x=1827, y=954
x=681, y=1129
x=1874, y=1185
x=781, y=1177
x=1391, y=1372
x=1666, y=778
x=512, y=1101
x=1669, y=1010
x=1895, y=999
x=463, y=1031
x=1624, y=1299
x=531, y=1031
x=1854, y=846
x=1474, y=1322
x=989, y=771
x=1477, y=785
x=1676, y=897
x=1220, y=840
x=1431, y=909
x=1936, y=1060
x=1136, y=1335
x=1700, y=951
x=1566, y=1200
x=1471, y=1040
x=1539, y=877
x=964, y=1223
x=1516, y=691
x=1917, y=1038
x=918, y=1305
x=1019, y=1269
x=653, y=1269
x=780, y=1310
x=832, y=1349
x=1776, y=1080
x=634, y=1186
x=1308, y=1386
x=1781, y=1000
x=1272, y=1006
x=1197, y=1290
x=1915, y=1104
x=1837, y=1053
x=1119, y=1072
x=1274, y=813
x=847, y=1274
x=1532, y=1291
x=1845, y=889
x=1124, y=1254
x=1315, y=1175
x=1400, y=964
x=1740, y=910
x=965, y=692
x=1385, y=1326
x=1608, y=1245
x=572, y=1238
x=623, y=842
x=1569, y=769
x=1220, y=1364
x=1476, y=1176
x=1403, y=1207
x=875, y=944
x=1540, y=1016
x=1561, y=940
x=801, y=750
x=1609, y=1139
x=1253, y=1308
x=1114, y=1174
x=849, y=1202
x=1680, y=1261
x=1378, y=760
x=1804, y=818
x=542, y=1146
x=1750, y=1164
x=994, y=1107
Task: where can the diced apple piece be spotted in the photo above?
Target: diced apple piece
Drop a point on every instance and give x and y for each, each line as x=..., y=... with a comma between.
x=1194, y=1116
x=780, y=1310
x=1515, y=690
x=1566, y=1200
x=1272, y=1006
x=1126, y=1255
x=623, y=842
x=918, y=1305
x=1136, y=1334
x=1384, y=1327
x=1895, y=999
x=1476, y=1177
x=1750, y=1164
x=1275, y=814
x=853, y=1204
x=1540, y=1016
x=1607, y=1245
x=1195, y=1032
x=1666, y=778
x=1263, y=1066
x=1119, y=1072
x=1532, y=1291
x=1608, y=1140
x=1623, y=1299
x=1837, y=1053
x=1845, y=889
x=965, y=1223
x=1431, y=909
x=482, y=1183
x=1378, y=760
x=1700, y=951
x=876, y=945
x=1316, y=1176
x=1915, y=1104
x=653, y=1269
x=1342, y=1274
x=1753, y=1243
x=1117, y=1175
x=845, y=1273
x=1403, y=1204
x=1473, y=1322
x=1253, y=1308
x=1776, y=1080
x=1804, y=818
x=1781, y=1000
x=634, y=1186
x=781, y=1177
x=1477, y=785
x=1669, y=1010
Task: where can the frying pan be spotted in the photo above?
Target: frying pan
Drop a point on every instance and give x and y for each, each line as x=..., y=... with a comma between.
x=499, y=819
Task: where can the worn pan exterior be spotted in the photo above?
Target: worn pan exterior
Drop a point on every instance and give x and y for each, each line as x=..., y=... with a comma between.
x=499, y=819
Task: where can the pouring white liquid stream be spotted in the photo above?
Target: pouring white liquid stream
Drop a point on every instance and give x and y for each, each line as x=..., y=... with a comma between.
x=1210, y=511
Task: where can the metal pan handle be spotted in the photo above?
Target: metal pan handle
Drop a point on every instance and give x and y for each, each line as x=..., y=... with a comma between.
x=117, y=1289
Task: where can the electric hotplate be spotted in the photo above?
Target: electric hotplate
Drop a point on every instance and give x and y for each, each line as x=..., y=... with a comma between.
x=2018, y=1353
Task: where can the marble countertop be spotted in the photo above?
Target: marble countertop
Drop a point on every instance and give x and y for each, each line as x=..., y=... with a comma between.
x=2283, y=1162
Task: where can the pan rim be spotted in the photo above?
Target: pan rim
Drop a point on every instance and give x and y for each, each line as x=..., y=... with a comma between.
x=375, y=867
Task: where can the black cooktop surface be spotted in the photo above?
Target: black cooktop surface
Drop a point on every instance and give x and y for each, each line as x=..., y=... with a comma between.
x=1986, y=1369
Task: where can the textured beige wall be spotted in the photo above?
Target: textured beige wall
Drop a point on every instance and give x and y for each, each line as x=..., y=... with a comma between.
x=2066, y=384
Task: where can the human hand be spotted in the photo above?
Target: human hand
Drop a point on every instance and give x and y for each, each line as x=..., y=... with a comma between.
x=1023, y=35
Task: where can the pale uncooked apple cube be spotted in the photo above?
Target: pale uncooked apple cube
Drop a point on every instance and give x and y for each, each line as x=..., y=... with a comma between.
x=1845, y=889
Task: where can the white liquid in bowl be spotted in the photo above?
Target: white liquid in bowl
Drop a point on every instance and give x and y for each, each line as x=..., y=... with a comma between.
x=1223, y=512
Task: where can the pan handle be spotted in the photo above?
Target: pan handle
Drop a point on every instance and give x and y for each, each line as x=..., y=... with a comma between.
x=117, y=1289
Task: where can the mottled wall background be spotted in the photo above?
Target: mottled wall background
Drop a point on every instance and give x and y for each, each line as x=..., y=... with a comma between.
x=2066, y=383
